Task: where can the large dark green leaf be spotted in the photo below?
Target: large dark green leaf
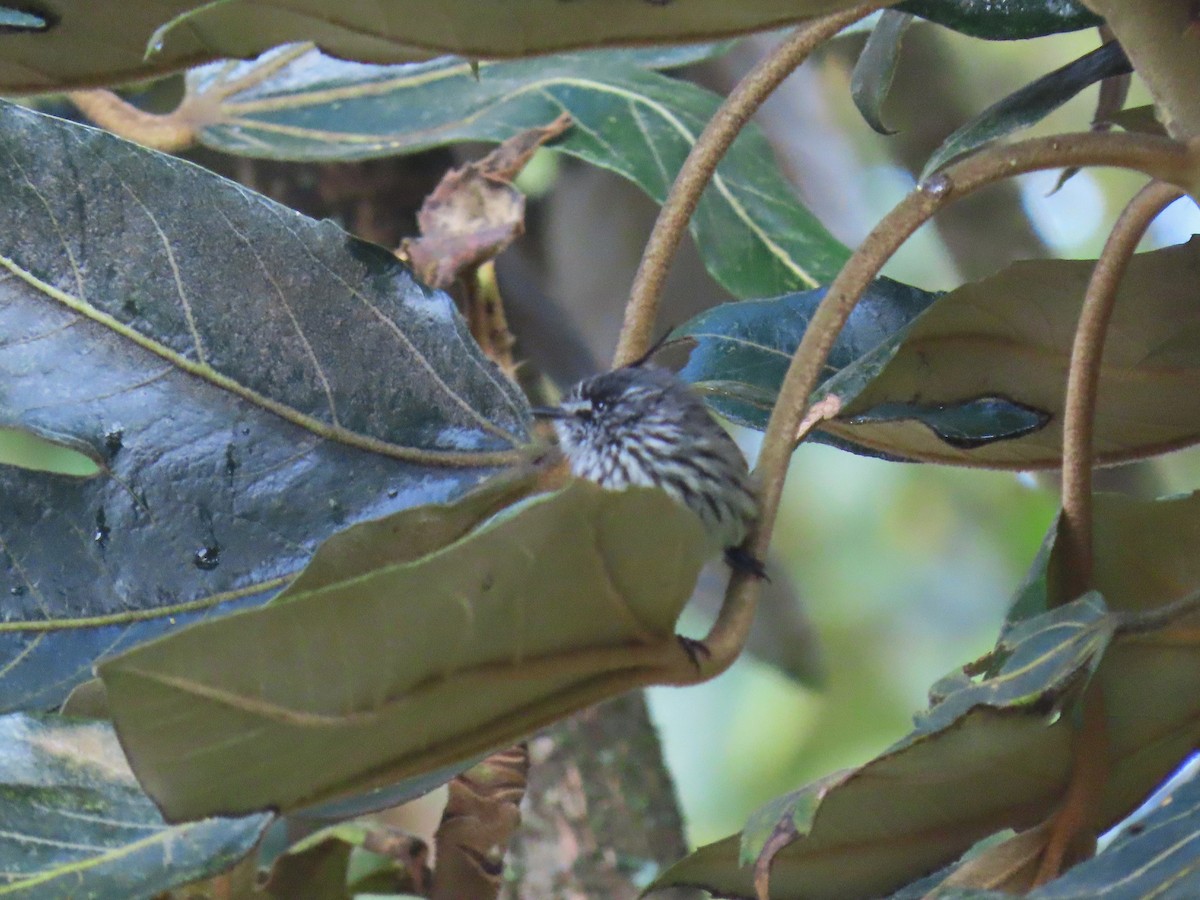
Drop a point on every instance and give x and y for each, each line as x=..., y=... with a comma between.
x=1031, y=103
x=1005, y=20
x=75, y=824
x=248, y=381
x=978, y=377
x=105, y=41
x=742, y=350
x=1159, y=857
x=754, y=235
x=368, y=670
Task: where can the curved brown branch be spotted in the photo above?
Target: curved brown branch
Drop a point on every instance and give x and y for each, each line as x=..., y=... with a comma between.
x=728, y=121
x=1159, y=157
x=1072, y=832
x=1083, y=378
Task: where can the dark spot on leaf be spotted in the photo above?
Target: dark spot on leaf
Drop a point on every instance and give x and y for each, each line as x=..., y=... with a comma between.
x=113, y=442
x=207, y=558
x=18, y=591
x=26, y=18
x=130, y=308
x=100, y=535
x=393, y=493
x=965, y=425
x=232, y=464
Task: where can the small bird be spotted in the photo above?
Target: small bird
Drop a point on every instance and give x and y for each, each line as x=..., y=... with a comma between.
x=642, y=425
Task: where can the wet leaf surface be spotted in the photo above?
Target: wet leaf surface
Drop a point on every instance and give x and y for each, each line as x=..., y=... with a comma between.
x=247, y=381
x=742, y=350
x=76, y=824
x=1005, y=20
x=755, y=236
x=380, y=669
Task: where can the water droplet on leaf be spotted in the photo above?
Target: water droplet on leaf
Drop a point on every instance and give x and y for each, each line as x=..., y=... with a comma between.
x=207, y=558
x=100, y=535
x=938, y=185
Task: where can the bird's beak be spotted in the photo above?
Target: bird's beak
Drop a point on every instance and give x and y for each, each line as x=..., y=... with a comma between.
x=550, y=412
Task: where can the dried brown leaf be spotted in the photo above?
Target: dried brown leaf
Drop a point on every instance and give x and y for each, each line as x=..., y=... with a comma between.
x=475, y=212
x=482, y=813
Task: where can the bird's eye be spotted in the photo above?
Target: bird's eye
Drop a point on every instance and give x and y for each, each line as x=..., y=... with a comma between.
x=600, y=405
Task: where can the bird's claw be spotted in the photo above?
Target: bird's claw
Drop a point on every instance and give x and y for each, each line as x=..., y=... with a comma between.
x=696, y=650
x=743, y=561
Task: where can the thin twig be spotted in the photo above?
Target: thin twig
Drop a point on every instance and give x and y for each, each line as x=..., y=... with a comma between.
x=1137, y=623
x=1159, y=157
x=728, y=121
x=1083, y=379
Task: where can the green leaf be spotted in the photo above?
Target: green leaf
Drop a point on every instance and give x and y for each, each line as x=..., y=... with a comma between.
x=1031, y=103
x=77, y=825
x=1008, y=338
x=1142, y=556
x=955, y=779
x=873, y=73
x=1160, y=857
x=316, y=866
x=1041, y=661
x=970, y=770
x=1005, y=20
x=1143, y=119
x=343, y=861
x=247, y=381
x=379, y=671
x=742, y=350
x=755, y=237
x=105, y=41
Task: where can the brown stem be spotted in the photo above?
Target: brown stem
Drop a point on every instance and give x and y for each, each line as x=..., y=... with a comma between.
x=178, y=129
x=1072, y=834
x=1158, y=157
x=1083, y=379
x=167, y=133
x=728, y=121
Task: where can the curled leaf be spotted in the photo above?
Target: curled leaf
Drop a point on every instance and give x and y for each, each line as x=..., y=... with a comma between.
x=876, y=67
